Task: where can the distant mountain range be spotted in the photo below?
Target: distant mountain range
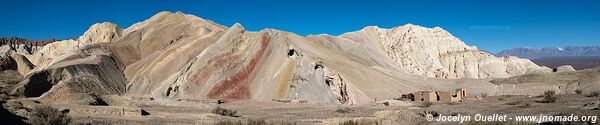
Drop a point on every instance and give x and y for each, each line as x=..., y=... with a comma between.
x=533, y=53
x=580, y=57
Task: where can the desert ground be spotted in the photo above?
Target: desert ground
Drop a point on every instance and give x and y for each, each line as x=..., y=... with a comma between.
x=396, y=112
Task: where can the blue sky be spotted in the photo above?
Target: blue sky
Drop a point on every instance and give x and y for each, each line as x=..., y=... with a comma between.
x=490, y=25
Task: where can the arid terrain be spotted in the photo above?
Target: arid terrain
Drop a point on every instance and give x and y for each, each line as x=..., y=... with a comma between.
x=373, y=113
x=176, y=68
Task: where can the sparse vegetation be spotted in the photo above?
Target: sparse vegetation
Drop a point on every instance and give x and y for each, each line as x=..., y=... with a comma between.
x=225, y=112
x=549, y=96
x=349, y=122
x=578, y=91
x=264, y=122
x=362, y=121
x=252, y=122
x=257, y=122
x=426, y=104
x=46, y=115
x=228, y=122
x=594, y=94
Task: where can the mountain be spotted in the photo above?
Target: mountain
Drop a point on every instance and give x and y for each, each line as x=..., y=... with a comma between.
x=533, y=53
x=578, y=62
x=580, y=57
x=180, y=56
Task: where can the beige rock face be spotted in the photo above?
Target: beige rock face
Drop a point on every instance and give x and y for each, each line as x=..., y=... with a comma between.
x=176, y=55
x=23, y=64
x=101, y=32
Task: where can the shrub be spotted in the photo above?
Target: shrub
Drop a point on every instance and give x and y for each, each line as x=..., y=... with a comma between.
x=343, y=110
x=426, y=104
x=578, y=91
x=225, y=112
x=549, y=96
x=594, y=94
x=46, y=115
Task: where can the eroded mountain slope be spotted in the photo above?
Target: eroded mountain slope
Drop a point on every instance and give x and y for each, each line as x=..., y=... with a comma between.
x=181, y=56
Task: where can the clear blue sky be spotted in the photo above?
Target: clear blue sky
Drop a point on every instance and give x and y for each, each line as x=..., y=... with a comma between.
x=490, y=25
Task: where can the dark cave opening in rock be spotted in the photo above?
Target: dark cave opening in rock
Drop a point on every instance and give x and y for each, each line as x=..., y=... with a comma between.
x=318, y=65
x=291, y=52
x=168, y=91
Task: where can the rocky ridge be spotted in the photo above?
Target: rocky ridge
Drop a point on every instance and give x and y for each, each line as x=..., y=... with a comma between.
x=181, y=56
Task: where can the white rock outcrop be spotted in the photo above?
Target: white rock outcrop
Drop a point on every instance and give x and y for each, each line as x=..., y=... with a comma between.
x=434, y=52
x=564, y=68
x=101, y=32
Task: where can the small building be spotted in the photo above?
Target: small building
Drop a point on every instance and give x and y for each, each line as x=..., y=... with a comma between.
x=436, y=96
x=426, y=96
x=459, y=95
